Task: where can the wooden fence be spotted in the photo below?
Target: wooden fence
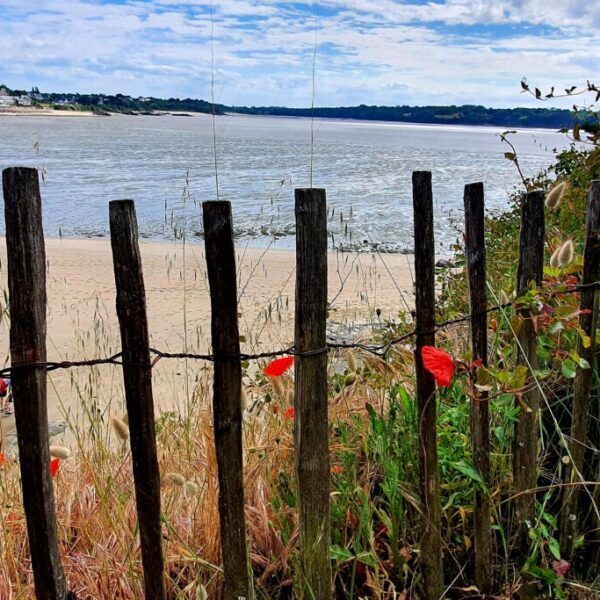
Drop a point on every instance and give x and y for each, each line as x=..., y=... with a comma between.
x=27, y=288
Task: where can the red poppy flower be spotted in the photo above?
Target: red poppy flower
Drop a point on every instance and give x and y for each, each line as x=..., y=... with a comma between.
x=290, y=413
x=439, y=363
x=54, y=464
x=2, y=459
x=278, y=366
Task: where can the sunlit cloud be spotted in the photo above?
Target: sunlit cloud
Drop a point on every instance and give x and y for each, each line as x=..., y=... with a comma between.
x=374, y=52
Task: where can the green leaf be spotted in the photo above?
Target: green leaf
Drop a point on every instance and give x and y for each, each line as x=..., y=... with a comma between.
x=366, y=558
x=339, y=553
x=468, y=470
x=554, y=548
x=569, y=369
x=548, y=576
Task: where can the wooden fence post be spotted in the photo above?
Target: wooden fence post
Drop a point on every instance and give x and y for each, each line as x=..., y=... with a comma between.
x=570, y=522
x=531, y=267
x=311, y=426
x=431, y=543
x=227, y=399
x=480, y=419
x=137, y=377
x=27, y=291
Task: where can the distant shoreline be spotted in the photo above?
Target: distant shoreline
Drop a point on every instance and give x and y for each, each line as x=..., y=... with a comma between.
x=22, y=111
x=26, y=111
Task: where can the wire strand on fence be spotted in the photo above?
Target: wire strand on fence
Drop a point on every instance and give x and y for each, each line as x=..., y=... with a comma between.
x=379, y=350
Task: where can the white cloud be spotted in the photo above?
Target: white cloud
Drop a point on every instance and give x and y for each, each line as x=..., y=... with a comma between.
x=383, y=51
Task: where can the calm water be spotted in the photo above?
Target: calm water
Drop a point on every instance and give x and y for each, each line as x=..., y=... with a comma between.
x=166, y=164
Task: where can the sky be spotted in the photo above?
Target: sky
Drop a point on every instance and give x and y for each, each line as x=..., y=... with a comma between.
x=265, y=52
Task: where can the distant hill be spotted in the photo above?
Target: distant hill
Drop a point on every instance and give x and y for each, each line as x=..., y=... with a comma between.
x=467, y=114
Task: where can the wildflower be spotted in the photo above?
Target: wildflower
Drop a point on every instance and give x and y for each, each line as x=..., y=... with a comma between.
x=561, y=567
x=278, y=366
x=176, y=479
x=120, y=428
x=439, y=363
x=566, y=253
x=290, y=413
x=54, y=465
x=554, y=258
x=2, y=459
x=60, y=452
x=555, y=195
x=337, y=469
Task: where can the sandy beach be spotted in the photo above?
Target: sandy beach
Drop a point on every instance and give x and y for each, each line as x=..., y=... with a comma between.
x=28, y=111
x=82, y=321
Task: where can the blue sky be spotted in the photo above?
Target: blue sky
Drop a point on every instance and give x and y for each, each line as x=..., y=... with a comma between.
x=367, y=51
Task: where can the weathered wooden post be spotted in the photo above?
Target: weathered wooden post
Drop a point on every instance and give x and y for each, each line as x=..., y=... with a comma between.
x=27, y=291
x=311, y=424
x=570, y=522
x=480, y=419
x=431, y=543
x=137, y=377
x=227, y=397
x=530, y=270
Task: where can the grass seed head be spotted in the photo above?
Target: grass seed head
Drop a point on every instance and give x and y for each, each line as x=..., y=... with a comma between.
x=60, y=452
x=352, y=366
x=120, y=428
x=176, y=479
x=277, y=386
x=191, y=487
x=566, y=253
x=554, y=258
x=555, y=195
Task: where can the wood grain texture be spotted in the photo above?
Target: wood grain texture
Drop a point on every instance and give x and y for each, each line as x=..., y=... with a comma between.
x=27, y=292
x=480, y=419
x=431, y=542
x=227, y=399
x=582, y=407
x=311, y=425
x=525, y=468
x=137, y=377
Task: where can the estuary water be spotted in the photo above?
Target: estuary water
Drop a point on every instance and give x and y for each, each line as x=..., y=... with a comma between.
x=167, y=165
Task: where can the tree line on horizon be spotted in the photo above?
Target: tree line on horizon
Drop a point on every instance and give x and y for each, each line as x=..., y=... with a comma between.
x=452, y=114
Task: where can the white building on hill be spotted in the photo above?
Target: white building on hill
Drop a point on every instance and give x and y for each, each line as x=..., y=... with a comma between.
x=6, y=100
